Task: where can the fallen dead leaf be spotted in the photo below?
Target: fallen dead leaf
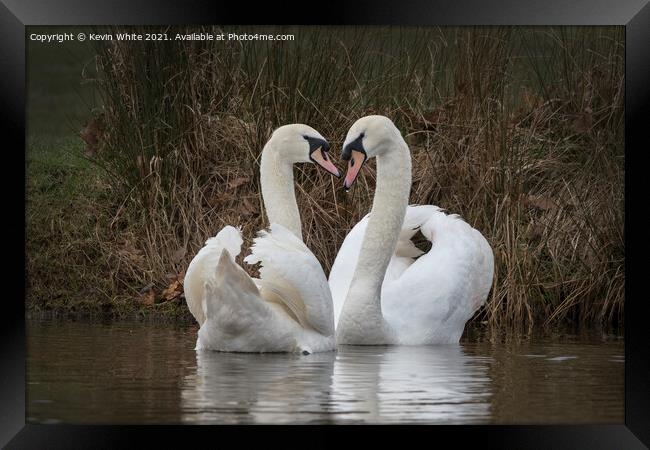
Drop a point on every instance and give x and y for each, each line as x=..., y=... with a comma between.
x=148, y=296
x=91, y=135
x=179, y=255
x=462, y=87
x=530, y=99
x=583, y=122
x=146, y=288
x=233, y=184
x=536, y=231
x=130, y=252
x=247, y=207
x=538, y=201
x=173, y=291
x=219, y=199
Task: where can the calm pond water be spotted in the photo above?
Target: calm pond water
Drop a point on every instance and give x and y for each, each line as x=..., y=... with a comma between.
x=124, y=373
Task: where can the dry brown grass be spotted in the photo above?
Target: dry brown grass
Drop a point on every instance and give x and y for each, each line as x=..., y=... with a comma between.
x=528, y=151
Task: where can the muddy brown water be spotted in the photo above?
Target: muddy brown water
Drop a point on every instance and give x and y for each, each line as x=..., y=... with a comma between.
x=137, y=373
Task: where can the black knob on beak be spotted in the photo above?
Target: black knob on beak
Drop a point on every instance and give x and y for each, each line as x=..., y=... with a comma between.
x=316, y=143
x=357, y=145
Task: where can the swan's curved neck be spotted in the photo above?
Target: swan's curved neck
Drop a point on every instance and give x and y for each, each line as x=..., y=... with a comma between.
x=361, y=317
x=276, y=177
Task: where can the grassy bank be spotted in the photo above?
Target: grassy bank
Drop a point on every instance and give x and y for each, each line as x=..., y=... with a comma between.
x=520, y=131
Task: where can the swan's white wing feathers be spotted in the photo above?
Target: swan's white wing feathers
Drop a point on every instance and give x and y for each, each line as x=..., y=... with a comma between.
x=203, y=265
x=470, y=248
x=283, y=294
x=286, y=262
x=438, y=293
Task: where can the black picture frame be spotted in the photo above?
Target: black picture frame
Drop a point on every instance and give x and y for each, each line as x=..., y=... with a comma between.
x=16, y=14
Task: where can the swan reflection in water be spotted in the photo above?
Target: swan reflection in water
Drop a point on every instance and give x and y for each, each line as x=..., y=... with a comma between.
x=357, y=384
x=257, y=388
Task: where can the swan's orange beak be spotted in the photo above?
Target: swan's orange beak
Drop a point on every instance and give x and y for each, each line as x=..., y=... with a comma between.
x=357, y=159
x=321, y=158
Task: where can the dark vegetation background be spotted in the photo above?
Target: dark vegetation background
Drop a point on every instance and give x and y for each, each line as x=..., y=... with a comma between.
x=138, y=152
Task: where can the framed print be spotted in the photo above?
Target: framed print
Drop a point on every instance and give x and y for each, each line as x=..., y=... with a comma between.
x=414, y=217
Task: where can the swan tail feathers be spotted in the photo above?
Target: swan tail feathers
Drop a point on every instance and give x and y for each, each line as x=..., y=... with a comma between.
x=231, y=297
x=238, y=319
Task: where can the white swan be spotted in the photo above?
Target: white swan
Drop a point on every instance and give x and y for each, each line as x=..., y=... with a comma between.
x=384, y=292
x=290, y=308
